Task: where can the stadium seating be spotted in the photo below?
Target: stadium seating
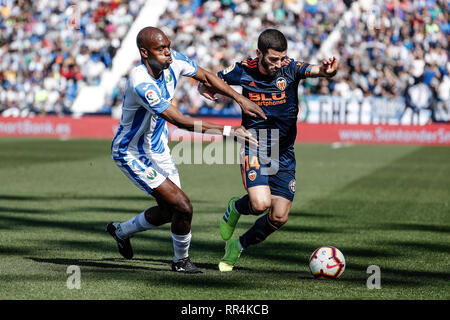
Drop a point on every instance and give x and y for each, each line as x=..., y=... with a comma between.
x=383, y=47
x=217, y=33
x=49, y=49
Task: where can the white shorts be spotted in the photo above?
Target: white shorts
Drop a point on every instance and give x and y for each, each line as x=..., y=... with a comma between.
x=148, y=173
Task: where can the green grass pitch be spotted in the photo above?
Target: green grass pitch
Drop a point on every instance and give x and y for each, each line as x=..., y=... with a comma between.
x=380, y=205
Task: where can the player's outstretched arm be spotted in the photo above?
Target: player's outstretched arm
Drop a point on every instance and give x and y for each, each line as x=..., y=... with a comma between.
x=213, y=84
x=175, y=117
x=327, y=68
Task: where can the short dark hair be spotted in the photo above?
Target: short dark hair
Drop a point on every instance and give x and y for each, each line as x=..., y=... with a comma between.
x=140, y=40
x=272, y=39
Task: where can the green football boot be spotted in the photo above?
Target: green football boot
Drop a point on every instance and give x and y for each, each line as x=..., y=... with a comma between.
x=229, y=220
x=232, y=253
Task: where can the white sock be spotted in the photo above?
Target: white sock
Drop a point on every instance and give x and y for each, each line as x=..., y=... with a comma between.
x=136, y=224
x=181, y=245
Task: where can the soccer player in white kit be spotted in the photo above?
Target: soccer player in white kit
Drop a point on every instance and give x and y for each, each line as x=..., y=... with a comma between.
x=140, y=147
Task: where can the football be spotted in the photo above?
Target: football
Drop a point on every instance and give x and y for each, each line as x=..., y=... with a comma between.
x=327, y=262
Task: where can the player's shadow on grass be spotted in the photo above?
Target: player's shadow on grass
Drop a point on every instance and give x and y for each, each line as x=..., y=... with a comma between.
x=413, y=227
x=200, y=265
x=95, y=263
x=320, y=215
x=417, y=246
x=8, y=197
x=295, y=226
x=118, y=263
x=396, y=277
x=311, y=229
x=13, y=197
x=26, y=210
x=64, y=225
x=69, y=210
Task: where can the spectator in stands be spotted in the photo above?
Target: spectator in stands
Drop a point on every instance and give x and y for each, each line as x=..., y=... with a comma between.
x=418, y=96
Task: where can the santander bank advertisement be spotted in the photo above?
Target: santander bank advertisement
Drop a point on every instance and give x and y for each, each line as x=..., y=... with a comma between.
x=104, y=127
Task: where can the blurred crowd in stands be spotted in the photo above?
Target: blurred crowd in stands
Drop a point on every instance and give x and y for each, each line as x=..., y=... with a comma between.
x=391, y=47
x=385, y=48
x=49, y=48
x=217, y=33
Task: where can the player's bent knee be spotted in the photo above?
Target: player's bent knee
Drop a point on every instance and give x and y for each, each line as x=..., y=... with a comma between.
x=278, y=221
x=184, y=208
x=259, y=207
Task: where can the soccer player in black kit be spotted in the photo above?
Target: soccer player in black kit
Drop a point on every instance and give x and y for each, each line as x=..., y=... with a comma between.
x=271, y=80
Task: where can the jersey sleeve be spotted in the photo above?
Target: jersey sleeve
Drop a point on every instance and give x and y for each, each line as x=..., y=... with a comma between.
x=151, y=97
x=302, y=70
x=186, y=66
x=232, y=74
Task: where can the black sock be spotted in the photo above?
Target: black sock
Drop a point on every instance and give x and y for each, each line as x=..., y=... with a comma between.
x=258, y=232
x=243, y=205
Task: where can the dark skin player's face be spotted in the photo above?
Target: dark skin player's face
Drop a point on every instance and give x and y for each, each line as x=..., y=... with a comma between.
x=157, y=52
x=271, y=62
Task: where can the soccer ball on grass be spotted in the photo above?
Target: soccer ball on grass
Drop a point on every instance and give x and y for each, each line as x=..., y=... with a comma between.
x=327, y=262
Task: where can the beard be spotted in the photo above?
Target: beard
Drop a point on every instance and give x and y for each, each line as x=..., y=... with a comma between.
x=265, y=65
x=154, y=64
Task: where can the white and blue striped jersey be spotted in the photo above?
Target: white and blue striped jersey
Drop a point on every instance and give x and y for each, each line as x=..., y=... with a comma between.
x=141, y=130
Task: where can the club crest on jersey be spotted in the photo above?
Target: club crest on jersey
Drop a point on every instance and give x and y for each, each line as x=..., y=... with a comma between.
x=292, y=186
x=151, y=96
x=252, y=175
x=151, y=174
x=281, y=83
x=168, y=78
x=229, y=69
